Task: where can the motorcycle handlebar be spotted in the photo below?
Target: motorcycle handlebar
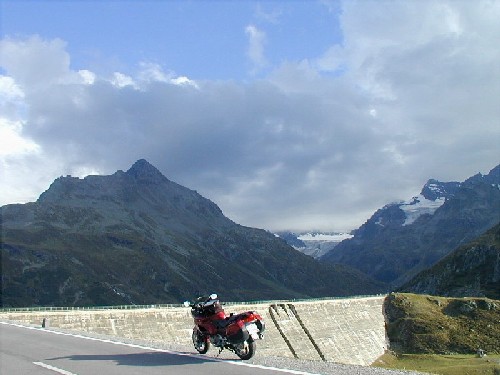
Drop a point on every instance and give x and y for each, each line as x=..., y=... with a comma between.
x=201, y=300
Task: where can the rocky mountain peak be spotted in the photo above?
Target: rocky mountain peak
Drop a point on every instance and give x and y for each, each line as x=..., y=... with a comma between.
x=62, y=188
x=151, y=200
x=435, y=189
x=492, y=178
x=143, y=171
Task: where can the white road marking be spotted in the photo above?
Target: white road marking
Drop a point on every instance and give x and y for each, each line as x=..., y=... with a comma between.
x=288, y=371
x=198, y=356
x=56, y=369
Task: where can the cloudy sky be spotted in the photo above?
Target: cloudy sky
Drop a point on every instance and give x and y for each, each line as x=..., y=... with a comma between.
x=287, y=114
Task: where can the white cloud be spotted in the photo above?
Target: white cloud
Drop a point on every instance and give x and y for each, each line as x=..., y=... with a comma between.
x=413, y=95
x=11, y=141
x=12, y=105
x=256, y=42
x=151, y=72
x=9, y=90
x=122, y=80
x=87, y=76
x=48, y=62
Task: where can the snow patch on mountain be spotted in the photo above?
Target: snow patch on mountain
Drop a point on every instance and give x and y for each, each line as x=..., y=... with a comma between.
x=419, y=206
x=314, y=244
x=322, y=237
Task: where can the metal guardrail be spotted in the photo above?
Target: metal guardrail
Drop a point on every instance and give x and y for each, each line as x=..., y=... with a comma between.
x=160, y=306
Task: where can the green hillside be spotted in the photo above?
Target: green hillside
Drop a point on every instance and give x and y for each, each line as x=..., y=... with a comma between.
x=423, y=324
x=471, y=270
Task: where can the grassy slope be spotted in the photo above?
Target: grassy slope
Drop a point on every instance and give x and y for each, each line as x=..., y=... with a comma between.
x=441, y=335
x=458, y=364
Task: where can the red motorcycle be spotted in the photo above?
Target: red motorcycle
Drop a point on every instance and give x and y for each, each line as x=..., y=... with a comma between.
x=236, y=332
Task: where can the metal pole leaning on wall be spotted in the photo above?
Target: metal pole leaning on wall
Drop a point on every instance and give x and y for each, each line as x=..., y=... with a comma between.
x=292, y=307
x=273, y=308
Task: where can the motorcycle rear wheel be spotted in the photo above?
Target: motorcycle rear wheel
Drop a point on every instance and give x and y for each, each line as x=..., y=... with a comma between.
x=201, y=344
x=246, y=349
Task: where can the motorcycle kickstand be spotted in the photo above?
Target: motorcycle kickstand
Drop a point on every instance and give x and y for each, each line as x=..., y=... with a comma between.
x=220, y=351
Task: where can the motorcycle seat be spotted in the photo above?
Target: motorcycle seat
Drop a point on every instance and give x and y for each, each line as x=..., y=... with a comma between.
x=225, y=322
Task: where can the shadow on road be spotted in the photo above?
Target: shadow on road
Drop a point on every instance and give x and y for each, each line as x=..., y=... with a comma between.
x=141, y=359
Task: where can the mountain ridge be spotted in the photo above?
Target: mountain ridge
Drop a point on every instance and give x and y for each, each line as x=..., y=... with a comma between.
x=472, y=270
x=137, y=237
x=391, y=248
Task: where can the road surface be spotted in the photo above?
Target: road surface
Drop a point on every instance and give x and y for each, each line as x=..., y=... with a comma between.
x=29, y=350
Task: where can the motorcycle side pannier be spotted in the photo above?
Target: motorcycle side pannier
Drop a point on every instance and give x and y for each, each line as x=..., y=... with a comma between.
x=236, y=332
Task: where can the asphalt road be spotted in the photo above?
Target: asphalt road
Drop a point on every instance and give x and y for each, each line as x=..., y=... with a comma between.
x=28, y=350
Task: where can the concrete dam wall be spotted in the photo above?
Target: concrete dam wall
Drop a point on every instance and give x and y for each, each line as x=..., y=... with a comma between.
x=350, y=330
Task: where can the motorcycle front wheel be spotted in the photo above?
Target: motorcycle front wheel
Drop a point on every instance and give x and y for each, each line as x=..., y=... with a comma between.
x=246, y=349
x=201, y=344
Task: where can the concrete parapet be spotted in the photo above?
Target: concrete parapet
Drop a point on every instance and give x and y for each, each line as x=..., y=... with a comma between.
x=348, y=331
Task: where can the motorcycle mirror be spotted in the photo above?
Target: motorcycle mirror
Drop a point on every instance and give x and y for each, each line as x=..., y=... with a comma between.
x=186, y=304
x=213, y=296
